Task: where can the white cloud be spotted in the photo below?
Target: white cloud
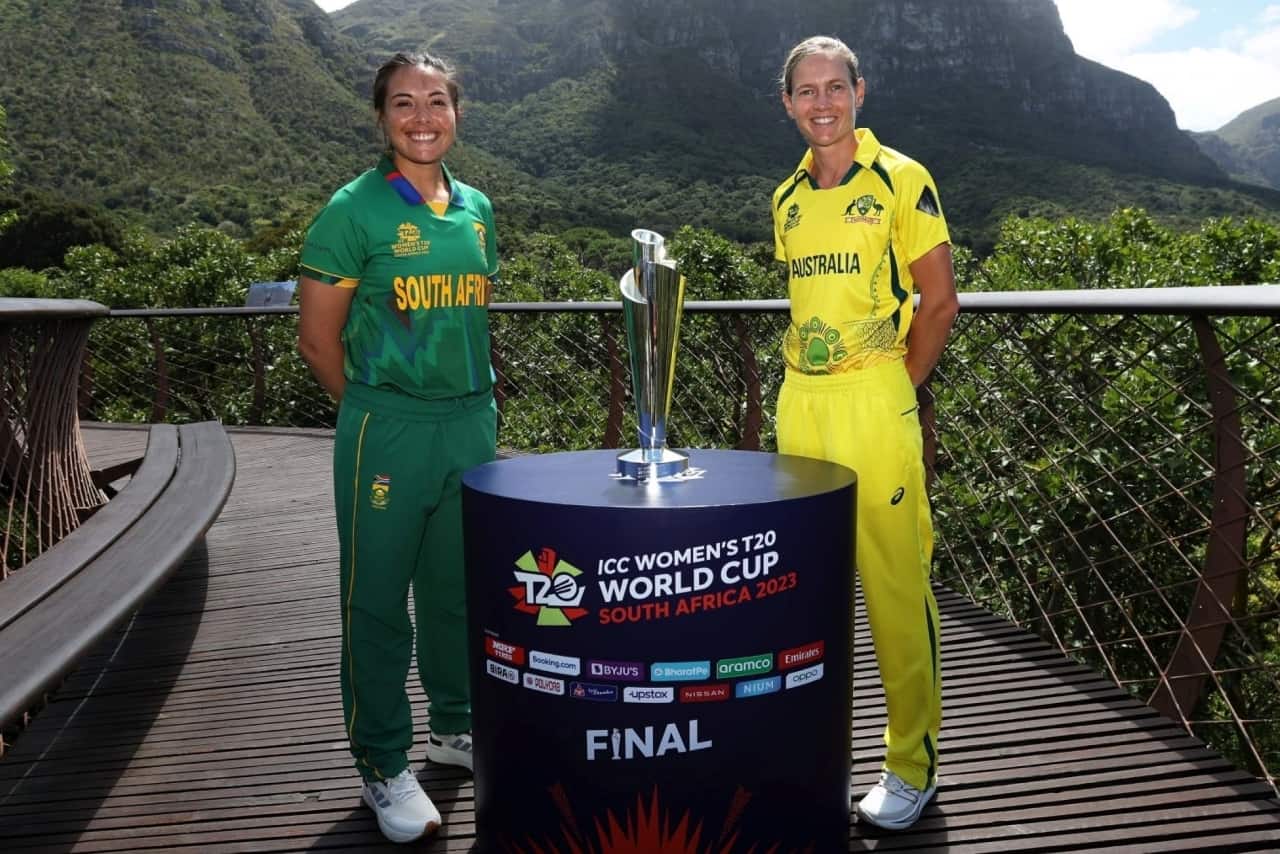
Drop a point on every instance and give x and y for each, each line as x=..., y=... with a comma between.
x=1207, y=86
x=1106, y=30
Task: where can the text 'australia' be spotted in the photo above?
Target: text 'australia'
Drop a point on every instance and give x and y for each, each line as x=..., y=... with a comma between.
x=827, y=264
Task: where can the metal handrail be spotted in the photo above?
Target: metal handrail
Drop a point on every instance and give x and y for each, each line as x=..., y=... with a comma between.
x=1105, y=464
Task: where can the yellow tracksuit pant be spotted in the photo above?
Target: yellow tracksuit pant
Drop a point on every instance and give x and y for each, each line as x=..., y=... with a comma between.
x=868, y=420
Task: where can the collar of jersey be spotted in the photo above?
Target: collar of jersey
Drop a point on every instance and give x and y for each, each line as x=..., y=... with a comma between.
x=408, y=192
x=868, y=151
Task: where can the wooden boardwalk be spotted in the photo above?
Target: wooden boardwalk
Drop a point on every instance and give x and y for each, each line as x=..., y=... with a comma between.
x=213, y=721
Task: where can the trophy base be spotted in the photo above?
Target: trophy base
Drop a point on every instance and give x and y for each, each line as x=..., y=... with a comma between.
x=651, y=465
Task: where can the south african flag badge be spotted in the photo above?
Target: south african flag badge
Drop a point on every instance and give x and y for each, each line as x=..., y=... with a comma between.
x=380, y=492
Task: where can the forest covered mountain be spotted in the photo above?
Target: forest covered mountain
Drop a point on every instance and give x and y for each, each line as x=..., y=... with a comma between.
x=608, y=113
x=1248, y=147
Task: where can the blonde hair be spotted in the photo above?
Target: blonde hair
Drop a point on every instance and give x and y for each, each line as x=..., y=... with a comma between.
x=814, y=45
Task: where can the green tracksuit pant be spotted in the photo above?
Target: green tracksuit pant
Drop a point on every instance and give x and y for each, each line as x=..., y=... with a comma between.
x=397, y=472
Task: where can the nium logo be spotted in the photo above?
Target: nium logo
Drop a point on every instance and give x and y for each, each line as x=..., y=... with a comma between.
x=897, y=496
x=647, y=743
x=757, y=687
x=549, y=588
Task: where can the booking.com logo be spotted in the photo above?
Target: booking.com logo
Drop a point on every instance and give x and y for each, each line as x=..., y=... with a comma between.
x=548, y=588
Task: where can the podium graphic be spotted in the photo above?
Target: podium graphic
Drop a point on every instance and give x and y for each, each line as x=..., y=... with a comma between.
x=663, y=667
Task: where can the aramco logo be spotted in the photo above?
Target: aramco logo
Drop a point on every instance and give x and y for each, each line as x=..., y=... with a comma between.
x=548, y=588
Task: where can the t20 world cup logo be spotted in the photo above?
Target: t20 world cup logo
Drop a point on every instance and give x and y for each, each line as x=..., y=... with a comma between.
x=549, y=588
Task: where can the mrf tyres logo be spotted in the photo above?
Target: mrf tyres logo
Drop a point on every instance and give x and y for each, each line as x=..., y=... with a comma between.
x=549, y=588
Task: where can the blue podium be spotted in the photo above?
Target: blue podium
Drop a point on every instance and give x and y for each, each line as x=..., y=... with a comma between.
x=660, y=666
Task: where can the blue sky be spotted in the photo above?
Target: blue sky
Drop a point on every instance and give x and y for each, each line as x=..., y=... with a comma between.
x=1211, y=60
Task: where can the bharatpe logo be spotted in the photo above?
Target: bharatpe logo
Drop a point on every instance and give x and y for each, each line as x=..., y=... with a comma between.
x=793, y=217
x=548, y=588
x=864, y=209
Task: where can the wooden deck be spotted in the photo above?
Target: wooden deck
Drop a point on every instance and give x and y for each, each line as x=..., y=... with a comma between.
x=213, y=721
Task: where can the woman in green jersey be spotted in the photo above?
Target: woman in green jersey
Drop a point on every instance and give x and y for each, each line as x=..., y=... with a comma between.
x=395, y=284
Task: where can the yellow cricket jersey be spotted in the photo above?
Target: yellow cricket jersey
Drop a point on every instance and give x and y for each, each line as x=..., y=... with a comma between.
x=848, y=251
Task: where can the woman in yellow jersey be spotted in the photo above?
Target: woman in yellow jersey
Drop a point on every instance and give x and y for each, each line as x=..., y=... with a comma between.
x=861, y=231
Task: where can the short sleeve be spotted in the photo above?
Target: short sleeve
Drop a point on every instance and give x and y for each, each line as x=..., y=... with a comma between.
x=919, y=223
x=779, y=247
x=490, y=236
x=336, y=247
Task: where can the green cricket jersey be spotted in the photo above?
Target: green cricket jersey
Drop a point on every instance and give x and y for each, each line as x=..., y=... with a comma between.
x=419, y=321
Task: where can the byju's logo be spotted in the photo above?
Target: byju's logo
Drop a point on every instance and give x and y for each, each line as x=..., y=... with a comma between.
x=548, y=588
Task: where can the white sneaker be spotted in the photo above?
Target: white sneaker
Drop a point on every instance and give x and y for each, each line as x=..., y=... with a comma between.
x=404, y=811
x=893, y=803
x=450, y=749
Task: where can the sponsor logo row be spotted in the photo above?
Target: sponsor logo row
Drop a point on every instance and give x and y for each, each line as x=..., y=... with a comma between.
x=602, y=692
x=576, y=677
x=659, y=671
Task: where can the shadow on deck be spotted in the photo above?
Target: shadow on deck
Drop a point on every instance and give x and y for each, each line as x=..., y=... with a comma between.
x=213, y=721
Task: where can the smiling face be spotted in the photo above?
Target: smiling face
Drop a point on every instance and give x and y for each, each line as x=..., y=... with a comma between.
x=418, y=116
x=823, y=99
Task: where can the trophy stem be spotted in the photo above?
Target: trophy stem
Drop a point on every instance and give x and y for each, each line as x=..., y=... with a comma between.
x=652, y=303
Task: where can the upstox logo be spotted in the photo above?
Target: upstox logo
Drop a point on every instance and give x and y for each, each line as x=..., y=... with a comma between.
x=548, y=588
x=751, y=665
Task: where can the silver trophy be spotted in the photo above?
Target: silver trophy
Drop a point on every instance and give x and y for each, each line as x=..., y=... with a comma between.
x=652, y=301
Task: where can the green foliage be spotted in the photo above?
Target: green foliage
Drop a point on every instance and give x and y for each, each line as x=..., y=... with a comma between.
x=45, y=227
x=6, y=217
x=184, y=112
x=189, y=112
x=1130, y=250
x=1248, y=147
x=198, y=267
x=21, y=282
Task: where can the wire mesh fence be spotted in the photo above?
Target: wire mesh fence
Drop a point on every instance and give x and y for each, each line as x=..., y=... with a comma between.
x=1106, y=474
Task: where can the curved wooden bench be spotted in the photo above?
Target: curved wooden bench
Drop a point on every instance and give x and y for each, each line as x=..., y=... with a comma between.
x=57, y=607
